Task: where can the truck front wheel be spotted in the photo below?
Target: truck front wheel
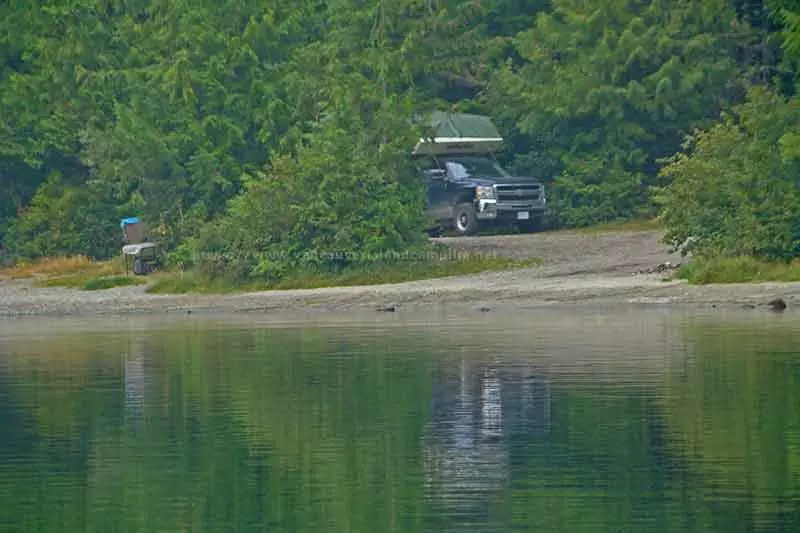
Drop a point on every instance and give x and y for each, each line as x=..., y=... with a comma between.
x=465, y=222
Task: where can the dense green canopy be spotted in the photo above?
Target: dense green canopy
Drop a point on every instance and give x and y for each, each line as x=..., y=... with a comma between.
x=177, y=111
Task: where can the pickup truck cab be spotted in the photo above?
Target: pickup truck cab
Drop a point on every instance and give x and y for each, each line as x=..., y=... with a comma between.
x=467, y=188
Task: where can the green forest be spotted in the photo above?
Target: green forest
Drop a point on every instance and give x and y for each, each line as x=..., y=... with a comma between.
x=250, y=132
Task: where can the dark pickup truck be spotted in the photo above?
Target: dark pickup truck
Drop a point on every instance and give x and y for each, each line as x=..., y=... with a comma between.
x=466, y=187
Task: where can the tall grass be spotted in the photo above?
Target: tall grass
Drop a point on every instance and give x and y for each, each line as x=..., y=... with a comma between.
x=91, y=282
x=373, y=274
x=77, y=272
x=62, y=266
x=737, y=270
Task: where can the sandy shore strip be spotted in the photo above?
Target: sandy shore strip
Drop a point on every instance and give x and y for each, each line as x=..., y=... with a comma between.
x=579, y=269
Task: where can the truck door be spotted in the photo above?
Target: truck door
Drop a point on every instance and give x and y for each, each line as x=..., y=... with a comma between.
x=438, y=192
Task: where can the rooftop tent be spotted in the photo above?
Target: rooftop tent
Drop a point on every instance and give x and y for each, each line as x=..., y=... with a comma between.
x=459, y=133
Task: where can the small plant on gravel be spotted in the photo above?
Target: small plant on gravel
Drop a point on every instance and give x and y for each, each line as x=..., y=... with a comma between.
x=90, y=282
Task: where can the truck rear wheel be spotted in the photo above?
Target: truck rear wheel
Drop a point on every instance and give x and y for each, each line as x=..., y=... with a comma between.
x=465, y=221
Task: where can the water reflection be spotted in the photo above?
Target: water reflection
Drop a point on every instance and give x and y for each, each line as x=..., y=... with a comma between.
x=465, y=458
x=475, y=416
x=134, y=376
x=637, y=424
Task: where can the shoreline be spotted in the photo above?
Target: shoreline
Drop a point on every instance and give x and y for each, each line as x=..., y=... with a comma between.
x=579, y=270
x=462, y=295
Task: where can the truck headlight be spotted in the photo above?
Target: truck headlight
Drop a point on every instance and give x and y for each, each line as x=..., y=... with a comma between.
x=484, y=193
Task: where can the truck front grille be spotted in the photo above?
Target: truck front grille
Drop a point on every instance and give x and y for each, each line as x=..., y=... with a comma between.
x=518, y=193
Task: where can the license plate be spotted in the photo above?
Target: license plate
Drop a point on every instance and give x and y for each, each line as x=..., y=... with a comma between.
x=523, y=215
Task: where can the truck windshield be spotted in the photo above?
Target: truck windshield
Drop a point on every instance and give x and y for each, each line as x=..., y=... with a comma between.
x=465, y=167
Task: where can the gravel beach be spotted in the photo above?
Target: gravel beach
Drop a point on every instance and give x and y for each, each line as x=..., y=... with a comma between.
x=580, y=268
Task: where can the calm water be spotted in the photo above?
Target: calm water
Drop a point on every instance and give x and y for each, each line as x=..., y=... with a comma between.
x=625, y=421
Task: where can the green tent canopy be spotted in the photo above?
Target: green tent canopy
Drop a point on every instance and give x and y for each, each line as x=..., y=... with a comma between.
x=451, y=133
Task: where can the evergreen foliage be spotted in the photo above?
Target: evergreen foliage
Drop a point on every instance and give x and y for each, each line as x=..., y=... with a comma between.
x=734, y=190
x=270, y=129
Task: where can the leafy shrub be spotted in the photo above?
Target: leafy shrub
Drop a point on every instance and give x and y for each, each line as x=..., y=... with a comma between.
x=734, y=188
x=64, y=220
x=341, y=199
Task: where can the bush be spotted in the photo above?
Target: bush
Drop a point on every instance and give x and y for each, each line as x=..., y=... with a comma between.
x=342, y=196
x=64, y=219
x=734, y=188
